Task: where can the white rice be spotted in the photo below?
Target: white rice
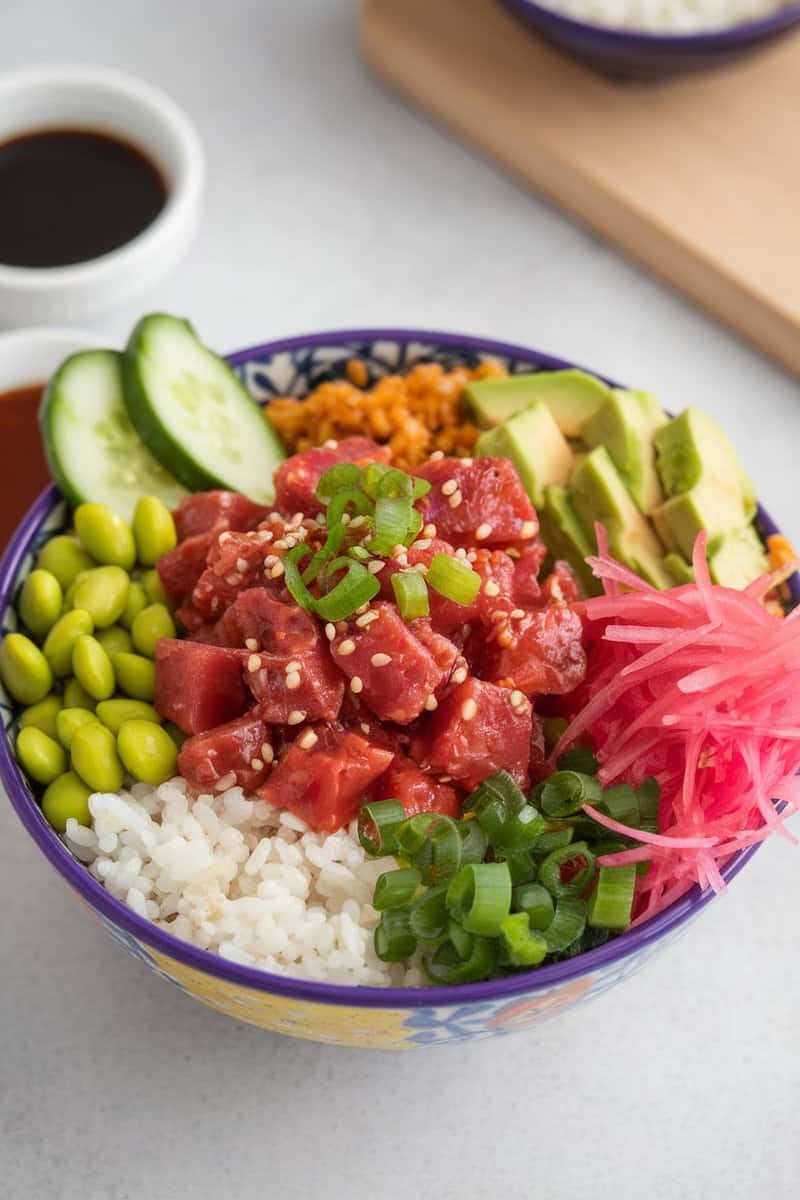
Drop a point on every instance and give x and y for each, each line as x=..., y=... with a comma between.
x=665, y=16
x=241, y=879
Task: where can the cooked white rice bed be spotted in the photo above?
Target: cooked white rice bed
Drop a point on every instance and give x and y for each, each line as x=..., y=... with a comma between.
x=241, y=879
x=665, y=16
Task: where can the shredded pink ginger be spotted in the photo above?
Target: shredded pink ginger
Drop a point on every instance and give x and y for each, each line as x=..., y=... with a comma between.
x=698, y=686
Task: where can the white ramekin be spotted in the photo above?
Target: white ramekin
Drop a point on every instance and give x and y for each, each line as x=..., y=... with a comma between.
x=108, y=101
x=30, y=356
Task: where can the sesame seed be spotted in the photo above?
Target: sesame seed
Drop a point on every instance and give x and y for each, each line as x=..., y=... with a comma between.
x=241, y=565
x=398, y=550
x=449, y=487
x=483, y=531
x=504, y=638
x=296, y=520
x=517, y=698
x=445, y=778
x=296, y=717
x=367, y=619
x=293, y=666
x=467, y=461
x=346, y=647
x=497, y=615
x=376, y=566
x=422, y=543
x=381, y=660
x=528, y=529
x=364, y=608
x=307, y=739
x=254, y=663
x=330, y=631
x=265, y=535
x=256, y=764
x=270, y=561
x=331, y=444
x=281, y=544
x=267, y=753
x=293, y=681
x=357, y=522
x=429, y=530
x=345, y=518
x=291, y=542
x=459, y=675
x=356, y=684
x=277, y=570
x=401, y=560
x=431, y=704
x=224, y=537
x=512, y=552
x=468, y=709
x=461, y=552
x=233, y=580
x=214, y=603
x=491, y=588
x=472, y=556
x=365, y=727
x=517, y=614
x=251, y=643
x=422, y=568
x=455, y=500
x=436, y=456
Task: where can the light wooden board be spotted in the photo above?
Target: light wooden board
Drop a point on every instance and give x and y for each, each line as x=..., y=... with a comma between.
x=698, y=178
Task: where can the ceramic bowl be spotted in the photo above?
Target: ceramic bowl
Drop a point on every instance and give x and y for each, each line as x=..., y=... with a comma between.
x=368, y=1017
x=628, y=54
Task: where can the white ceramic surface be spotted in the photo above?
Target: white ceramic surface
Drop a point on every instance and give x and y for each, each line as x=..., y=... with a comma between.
x=109, y=101
x=29, y=356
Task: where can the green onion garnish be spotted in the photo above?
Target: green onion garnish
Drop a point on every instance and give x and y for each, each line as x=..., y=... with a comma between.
x=520, y=831
x=474, y=842
x=648, y=795
x=429, y=918
x=554, y=838
x=333, y=544
x=411, y=594
x=568, y=872
x=378, y=824
x=536, y=901
x=342, y=501
x=396, y=889
x=611, y=903
x=355, y=588
x=453, y=579
x=411, y=834
x=414, y=526
x=521, y=866
x=343, y=475
x=439, y=857
x=392, y=518
x=523, y=947
x=579, y=758
x=394, y=940
x=621, y=803
x=569, y=922
x=294, y=580
x=480, y=896
x=565, y=792
x=448, y=966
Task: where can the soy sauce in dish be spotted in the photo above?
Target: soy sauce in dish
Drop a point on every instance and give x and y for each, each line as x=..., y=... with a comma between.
x=70, y=195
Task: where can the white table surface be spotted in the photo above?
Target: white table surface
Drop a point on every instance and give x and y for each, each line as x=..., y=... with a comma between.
x=330, y=204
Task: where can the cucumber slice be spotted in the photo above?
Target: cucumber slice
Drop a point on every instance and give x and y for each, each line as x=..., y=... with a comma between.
x=193, y=413
x=93, y=450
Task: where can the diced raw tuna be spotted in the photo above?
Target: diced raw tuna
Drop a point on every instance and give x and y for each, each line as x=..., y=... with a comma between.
x=445, y=615
x=239, y=751
x=561, y=586
x=217, y=510
x=297, y=477
x=325, y=780
x=180, y=569
x=527, y=590
x=294, y=688
x=446, y=653
x=544, y=654
x=496, y=570
x=492, y=506
x=416, y=791
x=198, y=686
x=477, y=729
x=393, y=673
x=278, y=628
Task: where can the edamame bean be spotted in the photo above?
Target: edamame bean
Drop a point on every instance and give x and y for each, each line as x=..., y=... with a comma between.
x=105, y=535
x=136, y=675
x=40, y=756
x=114, y=713
x=76, y=696
x=102, y=593
x=25, y=671
x=42, y=715
x=135, y=601
x=65, y=558
x=152, y=623
x=94, y=757
x=67, y=796
x=114, y=640
x=147, y=751
x=40, y=601
x=153, y=529
x=177, y=735
x=92, y=667
x=68, y=721
x=154, y=588
x=60, y=641
x=69, y=594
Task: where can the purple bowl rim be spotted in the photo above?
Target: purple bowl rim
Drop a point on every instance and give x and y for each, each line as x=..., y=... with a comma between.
x=347, y=995
x=628, y=39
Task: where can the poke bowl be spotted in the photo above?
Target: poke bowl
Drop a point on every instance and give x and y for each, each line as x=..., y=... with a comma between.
x=389, y=1017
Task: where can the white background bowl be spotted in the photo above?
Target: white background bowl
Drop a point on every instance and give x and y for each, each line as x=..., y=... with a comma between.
x=107, y=101
x=29, y=356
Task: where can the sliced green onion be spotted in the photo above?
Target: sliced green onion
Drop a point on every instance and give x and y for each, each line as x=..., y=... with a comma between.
x=453, y=579
x=396, y=889
x=332, y=545
x=392, y=517
x=620, y=802
x=565, y=792
x=480, y=896
x=294, y=580
x=356, y=587
x=411, y=833
x=411, y=594
x=371, y=477
x=395, y=483
x=578, y=758
x=611, y=903
x=448, y=967
x=554, y=838
x=343, y=475
x=394, y=940
x=524, y=948
x=569, y=922
x=568, y=872
x=462, y=941
x=343, y=500
x=521, y=866
x=428, y=919
x=439, y=857
x=414, y=526
x=359, y=552
x=421, y=487
x=501, y=786
x=378, y=824
x=536, y=901
x=521, y=831
x=474, y=842
x=648, y=795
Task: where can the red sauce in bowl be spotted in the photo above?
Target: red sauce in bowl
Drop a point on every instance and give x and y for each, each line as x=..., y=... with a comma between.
x=24, y=471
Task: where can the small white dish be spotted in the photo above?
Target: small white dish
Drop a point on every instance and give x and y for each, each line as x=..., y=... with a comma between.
x=30, y=356
x=106, y=101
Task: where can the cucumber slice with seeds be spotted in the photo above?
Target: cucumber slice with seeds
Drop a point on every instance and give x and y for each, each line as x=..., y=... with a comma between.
x=93, y=451
x=193, y=413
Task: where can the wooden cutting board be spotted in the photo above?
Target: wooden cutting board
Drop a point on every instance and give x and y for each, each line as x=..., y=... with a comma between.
x=698, y=178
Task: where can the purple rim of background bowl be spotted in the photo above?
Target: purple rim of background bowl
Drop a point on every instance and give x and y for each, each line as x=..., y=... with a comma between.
x=328, y=993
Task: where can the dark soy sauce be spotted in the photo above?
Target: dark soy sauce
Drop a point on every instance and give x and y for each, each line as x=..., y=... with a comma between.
x=70, y=195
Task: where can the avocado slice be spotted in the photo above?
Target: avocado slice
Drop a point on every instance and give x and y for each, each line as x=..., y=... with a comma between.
x=572, y=397
x=737, y=558
x=565, y=536
x=625, y=425
x=598, y=494
x=680, y=570
x=536, y=447
x=716, y=510
x=693, y=450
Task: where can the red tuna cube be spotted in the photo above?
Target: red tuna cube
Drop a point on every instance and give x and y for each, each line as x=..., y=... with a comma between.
x=479, y=500
x=561, y=586
x=256, y=616
x=445, y=615
x=180, y=569
x=446, y=653
x=297, y=477
x=416, y=791
x=218, y=510
x=199, y=686
x=240, y=749
x=325, y=776
x=389, y=669
x=290, y=689
x=477, y=729
x=526, y=588
x=537, y=652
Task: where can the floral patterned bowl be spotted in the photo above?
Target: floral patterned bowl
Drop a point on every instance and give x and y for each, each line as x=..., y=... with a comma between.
x=371, y=1017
